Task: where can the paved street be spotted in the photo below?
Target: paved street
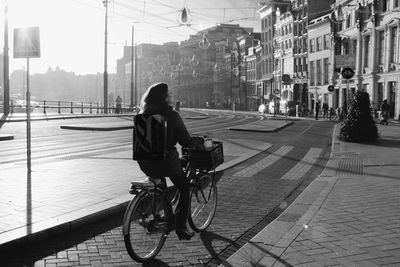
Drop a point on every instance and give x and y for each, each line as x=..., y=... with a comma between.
x=251, y=194
x=348, y=216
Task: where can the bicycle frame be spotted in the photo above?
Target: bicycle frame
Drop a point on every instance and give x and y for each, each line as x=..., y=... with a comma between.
x=139, y=188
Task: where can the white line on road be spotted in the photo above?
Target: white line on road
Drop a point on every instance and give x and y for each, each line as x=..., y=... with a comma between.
x=264, y=163
x=301, y=168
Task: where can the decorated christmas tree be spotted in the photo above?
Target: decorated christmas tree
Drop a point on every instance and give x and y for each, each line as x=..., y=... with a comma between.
x=359, y=125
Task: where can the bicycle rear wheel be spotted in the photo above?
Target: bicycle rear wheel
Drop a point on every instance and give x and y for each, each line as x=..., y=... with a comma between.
x=203, y=202
x=146, y=225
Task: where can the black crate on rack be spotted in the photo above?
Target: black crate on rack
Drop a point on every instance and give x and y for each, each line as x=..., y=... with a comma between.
x=209, y=158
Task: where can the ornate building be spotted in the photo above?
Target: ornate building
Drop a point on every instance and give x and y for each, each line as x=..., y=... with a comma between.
x=370, y=31
x=268, y=19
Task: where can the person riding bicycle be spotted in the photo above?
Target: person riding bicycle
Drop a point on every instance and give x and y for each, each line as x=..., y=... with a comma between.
x=156, y=100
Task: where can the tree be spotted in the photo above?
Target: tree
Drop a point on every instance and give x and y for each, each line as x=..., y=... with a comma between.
x=359, y=125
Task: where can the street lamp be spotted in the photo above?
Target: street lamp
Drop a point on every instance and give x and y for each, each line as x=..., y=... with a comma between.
x=105, y=76
x=6, y=78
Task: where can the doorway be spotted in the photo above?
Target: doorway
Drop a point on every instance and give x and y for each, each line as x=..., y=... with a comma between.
x=392, y=98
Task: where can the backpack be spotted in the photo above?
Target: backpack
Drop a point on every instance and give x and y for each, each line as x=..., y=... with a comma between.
x=149, y=137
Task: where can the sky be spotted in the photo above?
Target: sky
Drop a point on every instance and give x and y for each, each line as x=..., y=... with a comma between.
x=72, y=31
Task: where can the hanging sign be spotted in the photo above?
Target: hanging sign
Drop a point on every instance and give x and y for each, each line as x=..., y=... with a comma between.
x=347, y=73
x=26, y=42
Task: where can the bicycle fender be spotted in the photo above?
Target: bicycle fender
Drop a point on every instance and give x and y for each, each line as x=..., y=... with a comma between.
x=128, y=212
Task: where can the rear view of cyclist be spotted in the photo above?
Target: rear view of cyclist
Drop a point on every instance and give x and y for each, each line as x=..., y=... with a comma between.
x=156, y=100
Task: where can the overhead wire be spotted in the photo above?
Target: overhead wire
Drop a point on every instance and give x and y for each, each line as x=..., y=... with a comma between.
x=203, y=17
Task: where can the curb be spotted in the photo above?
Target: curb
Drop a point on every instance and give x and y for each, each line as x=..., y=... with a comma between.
x=63, y=223
x=260, y=130
x=88, y=128
x=198, y=117
x=6, y=137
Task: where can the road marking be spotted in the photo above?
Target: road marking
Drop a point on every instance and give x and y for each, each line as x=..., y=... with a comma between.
x=304, y=165
x=305, y=130
x=264, y=163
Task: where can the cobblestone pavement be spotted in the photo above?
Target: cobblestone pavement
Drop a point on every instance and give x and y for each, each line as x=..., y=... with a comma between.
x=244, y=203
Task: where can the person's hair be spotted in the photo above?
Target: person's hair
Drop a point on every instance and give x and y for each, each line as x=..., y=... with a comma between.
x=155, y=98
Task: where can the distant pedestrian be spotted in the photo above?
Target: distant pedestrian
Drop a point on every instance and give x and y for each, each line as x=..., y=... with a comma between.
x=118, y=102
x=325, y=109
x=385, y=112
x=317, y=107
x=331, y=113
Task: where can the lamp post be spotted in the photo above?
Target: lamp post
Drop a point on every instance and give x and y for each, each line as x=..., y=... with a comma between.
x=6, y=95
x=105, y=75
x=133, y=92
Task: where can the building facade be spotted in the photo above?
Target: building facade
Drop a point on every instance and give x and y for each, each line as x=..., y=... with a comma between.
x=371, y=31
x=254, y=85
x=320, y=68
x=206, y=77
x=152, y=63
x=268, y=19
x=283, y=54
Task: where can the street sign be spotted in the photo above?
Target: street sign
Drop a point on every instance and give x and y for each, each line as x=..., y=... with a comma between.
x=347, y=73
x=286, y=79
x=26, y=42
x=276, y=91
x=331, y=88
x=343, y=61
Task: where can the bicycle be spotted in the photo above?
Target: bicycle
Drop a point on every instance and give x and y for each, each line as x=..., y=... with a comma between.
x=150, y=215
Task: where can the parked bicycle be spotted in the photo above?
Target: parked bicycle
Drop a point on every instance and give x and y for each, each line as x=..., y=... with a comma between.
x=150, y=216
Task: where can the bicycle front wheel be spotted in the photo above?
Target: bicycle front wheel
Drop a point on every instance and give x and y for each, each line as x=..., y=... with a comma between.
x=203, y=202
x=146, y=225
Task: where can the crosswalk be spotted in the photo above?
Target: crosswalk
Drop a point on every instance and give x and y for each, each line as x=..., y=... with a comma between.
x=295, y=173
x=264, y=163
x=304, y=165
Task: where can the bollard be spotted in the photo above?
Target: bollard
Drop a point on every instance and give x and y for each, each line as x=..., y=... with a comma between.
x=97, y=107
x=90, y=107
x=72, y=108
x=59, y=107
x=12, y=106
x=82, y=107
x=44, y=106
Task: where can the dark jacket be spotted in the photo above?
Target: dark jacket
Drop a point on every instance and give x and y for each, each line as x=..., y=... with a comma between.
x=176, y=133
x=385, y=107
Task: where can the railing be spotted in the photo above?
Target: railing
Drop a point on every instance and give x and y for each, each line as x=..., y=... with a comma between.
x=71, y=107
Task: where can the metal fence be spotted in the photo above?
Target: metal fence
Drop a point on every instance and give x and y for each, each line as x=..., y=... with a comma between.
x=65, y=107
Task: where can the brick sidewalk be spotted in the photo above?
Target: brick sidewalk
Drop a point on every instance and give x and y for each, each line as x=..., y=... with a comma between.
x=349, y=216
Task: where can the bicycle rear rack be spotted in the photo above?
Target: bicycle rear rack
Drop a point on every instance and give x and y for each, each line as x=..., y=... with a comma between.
x=136, y=187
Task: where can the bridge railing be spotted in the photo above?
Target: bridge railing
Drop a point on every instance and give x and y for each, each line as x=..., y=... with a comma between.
x=63, y=107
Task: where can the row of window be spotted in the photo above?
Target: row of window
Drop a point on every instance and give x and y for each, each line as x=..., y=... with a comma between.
x=320, y=43
x=385, y=40
x=319, y=72
x=284, y=30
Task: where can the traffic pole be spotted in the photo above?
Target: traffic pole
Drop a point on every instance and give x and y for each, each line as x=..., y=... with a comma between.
x=28, y=118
